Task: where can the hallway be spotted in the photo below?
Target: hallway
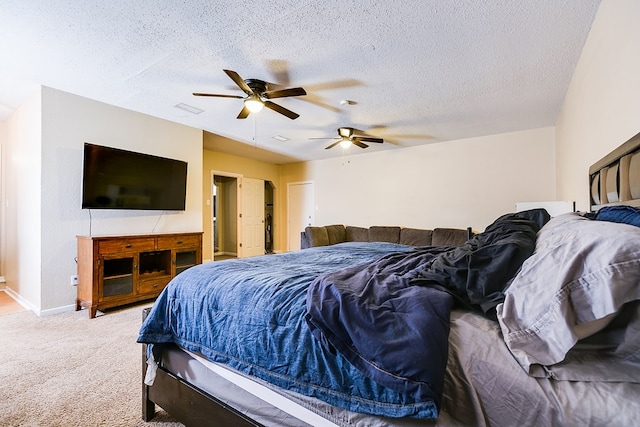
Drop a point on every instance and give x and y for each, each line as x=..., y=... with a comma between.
x=8, y=305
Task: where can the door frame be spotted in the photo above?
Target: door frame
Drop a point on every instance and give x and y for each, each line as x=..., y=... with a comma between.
x=238, y=178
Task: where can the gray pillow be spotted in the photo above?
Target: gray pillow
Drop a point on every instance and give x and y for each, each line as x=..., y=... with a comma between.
x=580, y=277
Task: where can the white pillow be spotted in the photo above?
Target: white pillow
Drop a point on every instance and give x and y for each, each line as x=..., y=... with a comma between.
x=580, y=275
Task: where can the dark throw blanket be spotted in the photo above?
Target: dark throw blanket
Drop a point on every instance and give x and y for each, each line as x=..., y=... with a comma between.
x=390, y=317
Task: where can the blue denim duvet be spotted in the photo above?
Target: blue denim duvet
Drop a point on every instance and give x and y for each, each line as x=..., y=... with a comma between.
x=250, y=314
x=361, y=326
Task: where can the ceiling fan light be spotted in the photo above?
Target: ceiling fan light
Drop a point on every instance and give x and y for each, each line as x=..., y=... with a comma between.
x=344, y=132
x=345, y=143
x=253, y=104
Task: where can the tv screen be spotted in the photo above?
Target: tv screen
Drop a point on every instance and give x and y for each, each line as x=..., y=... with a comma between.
x=120, y=179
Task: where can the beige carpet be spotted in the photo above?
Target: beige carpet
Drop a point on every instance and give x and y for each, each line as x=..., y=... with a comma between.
x=69, y=370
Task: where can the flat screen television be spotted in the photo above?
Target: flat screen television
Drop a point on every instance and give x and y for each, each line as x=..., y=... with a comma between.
x=119, y=179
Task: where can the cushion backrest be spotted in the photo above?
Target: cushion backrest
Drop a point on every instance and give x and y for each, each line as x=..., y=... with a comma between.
x=357, y=234
x=336, y=233
x=384, y=234
x=449, y=237
x=415, y=237
x=317, y=236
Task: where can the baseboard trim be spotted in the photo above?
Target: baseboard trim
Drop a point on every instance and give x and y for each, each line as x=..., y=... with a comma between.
x=57, y=310
x=23, y=302
x=40, y=313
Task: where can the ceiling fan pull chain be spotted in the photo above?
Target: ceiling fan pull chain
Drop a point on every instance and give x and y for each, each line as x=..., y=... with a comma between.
x=255, y=131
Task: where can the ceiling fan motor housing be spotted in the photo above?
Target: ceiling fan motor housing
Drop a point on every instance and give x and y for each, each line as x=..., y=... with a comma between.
x=257, y=86
x=345, y=132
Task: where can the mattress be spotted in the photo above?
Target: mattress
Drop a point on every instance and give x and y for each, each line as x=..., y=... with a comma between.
x=484, y=386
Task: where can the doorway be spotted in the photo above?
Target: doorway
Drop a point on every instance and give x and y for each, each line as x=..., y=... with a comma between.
x=242, y=215
x=224, y=215
x=269, y=191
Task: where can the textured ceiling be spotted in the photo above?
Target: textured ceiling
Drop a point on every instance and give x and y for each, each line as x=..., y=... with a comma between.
x=414, y=72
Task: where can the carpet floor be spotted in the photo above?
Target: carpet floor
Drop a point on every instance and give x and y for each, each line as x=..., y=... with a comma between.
x=69, y=370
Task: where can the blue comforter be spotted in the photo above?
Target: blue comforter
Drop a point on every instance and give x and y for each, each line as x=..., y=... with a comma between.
x=390, y=317
x=361, y=326
x=250, y=314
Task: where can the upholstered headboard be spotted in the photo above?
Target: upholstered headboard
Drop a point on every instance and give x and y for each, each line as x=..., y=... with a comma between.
x=615, y=179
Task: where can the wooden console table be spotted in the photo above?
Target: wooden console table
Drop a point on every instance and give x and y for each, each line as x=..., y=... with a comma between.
x=119, y=270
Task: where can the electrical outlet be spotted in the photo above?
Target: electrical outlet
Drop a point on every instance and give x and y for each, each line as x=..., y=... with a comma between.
x=74, y=280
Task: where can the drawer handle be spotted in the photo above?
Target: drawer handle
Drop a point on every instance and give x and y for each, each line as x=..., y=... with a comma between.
x=128, y=245
x=179, y=242
x=155, y=285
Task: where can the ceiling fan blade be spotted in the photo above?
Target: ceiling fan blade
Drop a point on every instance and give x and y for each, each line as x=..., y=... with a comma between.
x=335, y=137
x=218, y=95
x=239, y=81
x=280, y=109
x=359, y=144
x=368, y=139
x=244, y=113
x=294, y=91
x=334, y=144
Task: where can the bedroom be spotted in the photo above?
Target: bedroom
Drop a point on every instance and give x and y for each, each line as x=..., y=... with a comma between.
x=599, y=112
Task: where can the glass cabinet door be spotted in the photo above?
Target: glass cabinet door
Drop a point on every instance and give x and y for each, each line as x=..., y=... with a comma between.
x=117, y=276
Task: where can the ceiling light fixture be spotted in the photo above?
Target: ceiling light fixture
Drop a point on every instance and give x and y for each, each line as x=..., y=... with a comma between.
x=253, y=104
x=345, y=143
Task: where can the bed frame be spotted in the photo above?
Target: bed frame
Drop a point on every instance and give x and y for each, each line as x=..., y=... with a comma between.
x=613, y=180
x=188, y=404
x=193, y=407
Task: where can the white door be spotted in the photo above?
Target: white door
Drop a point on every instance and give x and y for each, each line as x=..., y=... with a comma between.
x=252, y=217
x=300, y=203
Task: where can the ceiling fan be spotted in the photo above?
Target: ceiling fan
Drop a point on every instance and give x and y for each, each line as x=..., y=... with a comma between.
x=346, y=137
x=258, y=96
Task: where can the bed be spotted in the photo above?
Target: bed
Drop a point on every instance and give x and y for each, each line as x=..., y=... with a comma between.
x=535, y=321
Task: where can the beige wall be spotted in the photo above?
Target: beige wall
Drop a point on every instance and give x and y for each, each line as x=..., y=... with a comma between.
x=602, y=106
x=44, y=215
x=22, y=157
x=460, y=183
x=221, y=162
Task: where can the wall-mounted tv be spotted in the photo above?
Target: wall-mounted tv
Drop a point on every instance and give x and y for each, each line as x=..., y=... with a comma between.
x=120, y=179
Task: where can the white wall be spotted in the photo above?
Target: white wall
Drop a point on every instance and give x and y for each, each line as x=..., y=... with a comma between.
x=21, y=202
x=50, y=217
x=602, y=106
x=460, y=183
